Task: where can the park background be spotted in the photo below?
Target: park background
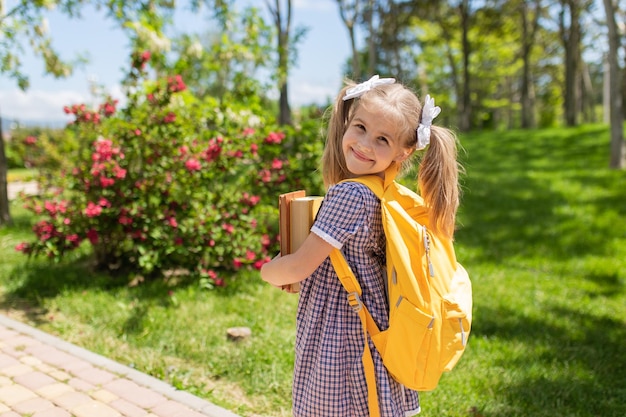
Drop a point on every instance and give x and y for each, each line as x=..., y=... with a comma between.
x=154, y=254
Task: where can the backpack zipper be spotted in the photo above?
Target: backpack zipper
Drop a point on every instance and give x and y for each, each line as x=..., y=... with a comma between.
x=431, y=269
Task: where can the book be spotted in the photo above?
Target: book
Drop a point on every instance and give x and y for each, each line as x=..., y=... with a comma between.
x=302, y=215
x=296, y=216
x=284, y=223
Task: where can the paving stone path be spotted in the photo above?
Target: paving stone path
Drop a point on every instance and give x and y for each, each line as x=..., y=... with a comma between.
x=44, y=376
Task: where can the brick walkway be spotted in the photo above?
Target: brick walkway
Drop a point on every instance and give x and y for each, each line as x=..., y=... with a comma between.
x=43, y=376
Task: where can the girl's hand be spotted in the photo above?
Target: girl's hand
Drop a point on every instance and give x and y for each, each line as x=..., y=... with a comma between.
x=291, y=288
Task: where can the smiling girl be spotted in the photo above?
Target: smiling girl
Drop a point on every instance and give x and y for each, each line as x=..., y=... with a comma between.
x=375, y=127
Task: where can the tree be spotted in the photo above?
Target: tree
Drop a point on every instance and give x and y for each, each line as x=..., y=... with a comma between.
x=530, y=24
x=26, y=20
x=350, y=11
x=569, y=26
x=282, y=23
x=618, y=146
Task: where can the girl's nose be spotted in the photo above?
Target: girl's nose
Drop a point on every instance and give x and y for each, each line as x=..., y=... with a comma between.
x=366, y=143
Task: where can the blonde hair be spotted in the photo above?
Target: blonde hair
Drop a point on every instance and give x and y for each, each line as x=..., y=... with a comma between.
x=438, y=174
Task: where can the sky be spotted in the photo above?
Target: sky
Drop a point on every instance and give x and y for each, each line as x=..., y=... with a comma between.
x=316, y=78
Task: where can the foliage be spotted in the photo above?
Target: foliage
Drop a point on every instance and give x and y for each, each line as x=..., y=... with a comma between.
x=41, y=147
x=171, y=182
x=224, y=61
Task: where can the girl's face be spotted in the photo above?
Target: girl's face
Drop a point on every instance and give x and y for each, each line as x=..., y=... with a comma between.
x=371, y=143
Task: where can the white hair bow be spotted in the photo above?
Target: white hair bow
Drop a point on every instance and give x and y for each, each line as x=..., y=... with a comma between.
x=429, y=112
x=359, y=89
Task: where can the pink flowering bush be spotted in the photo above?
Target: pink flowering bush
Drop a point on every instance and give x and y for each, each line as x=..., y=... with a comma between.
x=172, y=182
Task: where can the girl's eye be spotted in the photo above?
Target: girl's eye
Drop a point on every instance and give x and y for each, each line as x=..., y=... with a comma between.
x=383, y=139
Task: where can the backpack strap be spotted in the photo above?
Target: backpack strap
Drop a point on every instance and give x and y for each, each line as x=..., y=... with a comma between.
x=353, y=288
x=351, y=285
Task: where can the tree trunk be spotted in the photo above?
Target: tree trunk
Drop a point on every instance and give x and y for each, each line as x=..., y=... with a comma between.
x=349, y=22
x=571, y=42
x=5, y=214
x=588, y=105
x=371, y=62
x=283, y=27
x=466, y=104
x=285, y=109
x=528, y=40
x=618, y=147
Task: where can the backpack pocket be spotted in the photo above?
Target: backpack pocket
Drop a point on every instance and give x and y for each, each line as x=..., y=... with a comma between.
x=408, y=339
x=456, y=313
x=455, y=329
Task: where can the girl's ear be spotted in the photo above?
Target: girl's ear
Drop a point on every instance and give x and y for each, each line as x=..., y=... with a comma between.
x=404, y=154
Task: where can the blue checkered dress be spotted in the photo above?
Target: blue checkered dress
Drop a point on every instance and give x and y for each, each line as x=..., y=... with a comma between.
x=329, y=380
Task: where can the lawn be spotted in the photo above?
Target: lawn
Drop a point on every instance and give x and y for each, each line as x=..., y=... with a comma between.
x=542, y=232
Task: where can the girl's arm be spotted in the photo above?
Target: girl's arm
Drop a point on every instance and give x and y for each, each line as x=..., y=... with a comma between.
x=295, y=267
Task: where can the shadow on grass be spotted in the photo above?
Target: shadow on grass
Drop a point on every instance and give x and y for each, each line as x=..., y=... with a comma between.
x=531, y=199
x=31, y=283
x=587, y=348
x=526, y=196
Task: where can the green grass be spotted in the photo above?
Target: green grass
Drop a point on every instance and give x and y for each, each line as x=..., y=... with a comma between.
x=21, y=174
x=542, y=234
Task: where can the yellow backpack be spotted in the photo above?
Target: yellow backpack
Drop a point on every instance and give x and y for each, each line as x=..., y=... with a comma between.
x=430, y=295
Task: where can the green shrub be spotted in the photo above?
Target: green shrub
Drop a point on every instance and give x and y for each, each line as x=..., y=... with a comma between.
x=172, y=183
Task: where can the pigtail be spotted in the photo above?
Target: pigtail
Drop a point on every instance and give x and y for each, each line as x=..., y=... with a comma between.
x=438, y=180
x=333, y=162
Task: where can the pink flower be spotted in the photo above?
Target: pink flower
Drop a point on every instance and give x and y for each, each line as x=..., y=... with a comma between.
x=125, y=220
x=172, y=222
x=170, y=118
x=250, y=200
x=266, y=175
x=258, y=264
x=274, y=138
x=44, y=230
x=92, y=235
x=214, y=149
x=73, y=238
x=103, y=202
x=250, y=255
x=248, y=131
x=62, y=206
x=23, y=247
x=92, y=210
x=119, y=173
x=277, y=163
x=229, y=228
x=254, y=148
x=175, y=84
x=193, y=164
x=51, y=207
x=106, y=182
x=30, y=140
x=237, y=263
x=237, y=154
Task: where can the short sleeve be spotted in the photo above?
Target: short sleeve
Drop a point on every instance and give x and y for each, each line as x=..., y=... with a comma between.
x=342, y=214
